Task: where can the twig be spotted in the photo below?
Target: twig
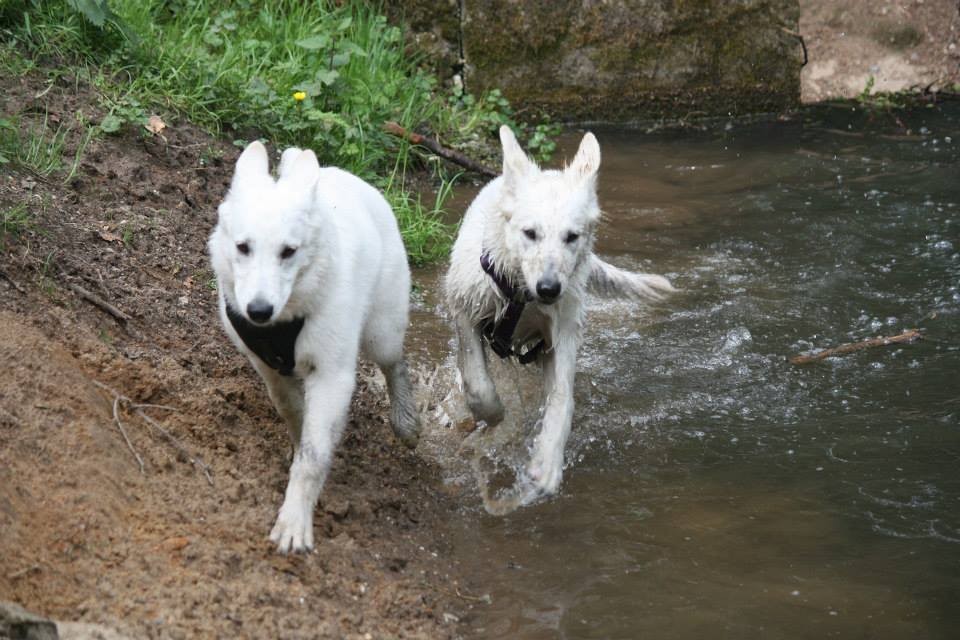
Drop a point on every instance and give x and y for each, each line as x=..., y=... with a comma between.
x=176, y=444
x=486, y=599
x=138, y=408
x=447, y=154
x=123, y=432
x=13, y=283
x=155, y=406
x=22, y=572
x=907, y=336
x=98, y=302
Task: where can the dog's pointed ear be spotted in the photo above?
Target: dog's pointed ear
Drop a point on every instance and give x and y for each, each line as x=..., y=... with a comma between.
x=253, y=161
x=516, y=164
x=305, y=168
x=586, y=163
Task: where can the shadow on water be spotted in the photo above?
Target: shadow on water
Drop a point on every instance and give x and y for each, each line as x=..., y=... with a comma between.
x=712, y=489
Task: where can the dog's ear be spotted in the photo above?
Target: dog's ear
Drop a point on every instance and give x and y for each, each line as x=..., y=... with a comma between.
x=586, y=163
x=304, y=169
x=516, y=164
x=252, y=162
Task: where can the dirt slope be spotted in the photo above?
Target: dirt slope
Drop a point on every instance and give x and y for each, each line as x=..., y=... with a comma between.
x=901, y=44
x=84, y=535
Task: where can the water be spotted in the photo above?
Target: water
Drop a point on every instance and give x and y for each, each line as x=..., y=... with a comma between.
x=712, y=489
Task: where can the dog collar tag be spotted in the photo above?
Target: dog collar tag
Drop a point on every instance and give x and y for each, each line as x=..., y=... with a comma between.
x=275, y=343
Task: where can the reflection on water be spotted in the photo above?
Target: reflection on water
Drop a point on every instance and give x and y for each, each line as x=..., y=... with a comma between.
x=713, y=489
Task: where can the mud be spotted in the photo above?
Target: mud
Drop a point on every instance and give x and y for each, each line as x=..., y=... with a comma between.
x=164, y=552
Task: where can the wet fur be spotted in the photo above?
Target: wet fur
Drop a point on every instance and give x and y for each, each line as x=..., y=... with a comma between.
x=348, y=278
x=555, y=205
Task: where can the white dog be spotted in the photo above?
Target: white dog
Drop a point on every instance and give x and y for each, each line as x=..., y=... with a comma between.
x=311, y=270
x=520, y=270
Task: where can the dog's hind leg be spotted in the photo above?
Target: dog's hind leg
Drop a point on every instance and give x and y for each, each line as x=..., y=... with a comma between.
x=482, y=398
x=403, y=407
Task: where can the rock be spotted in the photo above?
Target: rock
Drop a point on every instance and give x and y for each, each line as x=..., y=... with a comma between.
x=622, y=60
x=17, y=623
x=337, y=507
x=87, y=631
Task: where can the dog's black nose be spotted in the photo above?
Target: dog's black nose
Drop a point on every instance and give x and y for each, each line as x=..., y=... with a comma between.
x=260, y=311
x=548, y=289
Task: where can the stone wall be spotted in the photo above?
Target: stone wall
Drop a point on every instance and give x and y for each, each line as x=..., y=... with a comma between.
x=618, y=60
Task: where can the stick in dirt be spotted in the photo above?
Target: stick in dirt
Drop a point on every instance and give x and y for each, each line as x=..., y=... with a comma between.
x=452, y=155
x=195, y=460
x=98, y=302
x=907, y=336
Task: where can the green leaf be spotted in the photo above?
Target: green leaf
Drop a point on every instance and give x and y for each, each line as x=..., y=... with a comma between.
x=319, y=41
x=327, y=76
x=111, y=124
x=96, y=11
x=345, y=24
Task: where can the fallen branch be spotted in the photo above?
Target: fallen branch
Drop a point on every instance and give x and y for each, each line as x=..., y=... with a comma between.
x=98, y=302
x=13, y=283
x=196, y=461
x=176, y=444
x=452, y=155
x=123, y=432
x=907, y=336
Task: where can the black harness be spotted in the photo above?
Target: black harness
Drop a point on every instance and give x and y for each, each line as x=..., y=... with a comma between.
x=500, y=334
x=274, y=343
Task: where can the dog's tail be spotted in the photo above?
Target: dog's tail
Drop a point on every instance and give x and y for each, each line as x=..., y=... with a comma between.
x=607, y=281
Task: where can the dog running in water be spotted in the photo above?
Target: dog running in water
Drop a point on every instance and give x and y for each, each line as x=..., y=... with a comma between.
x=521, y=269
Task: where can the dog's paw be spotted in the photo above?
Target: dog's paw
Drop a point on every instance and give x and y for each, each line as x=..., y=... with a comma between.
x=546, y=473
x=407, y=428
x=293, y=531
x=488, y=410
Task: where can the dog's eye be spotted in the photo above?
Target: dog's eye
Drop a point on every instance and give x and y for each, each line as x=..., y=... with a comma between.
x=243, y=248
x=287, y=252
x=571, y=237
x=530, y=233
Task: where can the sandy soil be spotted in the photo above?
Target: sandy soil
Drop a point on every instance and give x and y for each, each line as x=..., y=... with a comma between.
x=901, y=44
x=87, y=536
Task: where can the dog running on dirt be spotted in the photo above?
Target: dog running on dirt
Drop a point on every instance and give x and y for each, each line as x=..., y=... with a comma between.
x=520, y=271
x=311, y=270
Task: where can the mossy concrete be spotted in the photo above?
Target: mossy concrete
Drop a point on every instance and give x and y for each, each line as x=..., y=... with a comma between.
x=621, y=60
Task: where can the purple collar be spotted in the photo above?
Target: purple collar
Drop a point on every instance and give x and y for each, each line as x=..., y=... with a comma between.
x=500, y=334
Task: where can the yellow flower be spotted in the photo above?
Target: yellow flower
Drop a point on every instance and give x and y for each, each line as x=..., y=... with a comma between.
x=299, y=95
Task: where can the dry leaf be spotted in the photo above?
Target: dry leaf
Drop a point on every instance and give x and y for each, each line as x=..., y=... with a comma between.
x=155, y=124
x=174, y=544
x=109, y=237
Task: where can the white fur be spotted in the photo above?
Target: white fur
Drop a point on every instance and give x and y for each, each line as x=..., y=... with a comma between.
x=551, y=205
x=348, y=277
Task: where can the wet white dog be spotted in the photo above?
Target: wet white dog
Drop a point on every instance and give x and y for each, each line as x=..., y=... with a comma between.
x=521, y=268
x=311, y=271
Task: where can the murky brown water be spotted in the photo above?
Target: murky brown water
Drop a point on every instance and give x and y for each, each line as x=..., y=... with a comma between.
x=713, y=490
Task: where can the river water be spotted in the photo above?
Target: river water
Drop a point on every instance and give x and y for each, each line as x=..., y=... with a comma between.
x=712, y=489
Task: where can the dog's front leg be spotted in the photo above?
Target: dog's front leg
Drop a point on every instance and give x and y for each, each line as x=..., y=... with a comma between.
x=326, y=403
x=481, y=394
x=559, y=367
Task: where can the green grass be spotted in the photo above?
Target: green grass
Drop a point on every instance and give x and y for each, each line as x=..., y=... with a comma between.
x=38, y=147
x=35, y=147
x=322, y=74
x=13, y=222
